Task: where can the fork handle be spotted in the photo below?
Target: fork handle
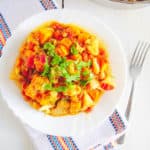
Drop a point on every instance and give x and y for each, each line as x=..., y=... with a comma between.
x=121, y=139
x=130, y=101
x=62, y=4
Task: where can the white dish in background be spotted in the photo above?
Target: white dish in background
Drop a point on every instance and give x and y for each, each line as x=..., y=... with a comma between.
x=120, y=5
x=68, y=125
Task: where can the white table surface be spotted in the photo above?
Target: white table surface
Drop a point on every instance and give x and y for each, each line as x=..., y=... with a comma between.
x=131, y=26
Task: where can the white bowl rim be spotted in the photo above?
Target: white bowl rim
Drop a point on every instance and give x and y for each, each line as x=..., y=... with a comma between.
x=125, y=71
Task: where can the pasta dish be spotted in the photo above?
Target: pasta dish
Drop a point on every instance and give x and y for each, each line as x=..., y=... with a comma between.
x=62, y=69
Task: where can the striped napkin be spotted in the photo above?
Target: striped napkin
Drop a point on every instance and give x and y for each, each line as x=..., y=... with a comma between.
x=114, y=126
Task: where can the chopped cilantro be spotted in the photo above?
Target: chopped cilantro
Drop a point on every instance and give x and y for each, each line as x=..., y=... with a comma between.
x=49, y=48
x=56, y=60
x=64, y=63
x=86, y=72
x=61, y=89
x=84, y=82
x=58, y=68
x=47, y=86
x=46, y=69
x=74, y=77
x=74, y=50
x=82, y=64
x=64, y=72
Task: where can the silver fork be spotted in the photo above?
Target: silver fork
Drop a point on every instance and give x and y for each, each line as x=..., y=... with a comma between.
x=135, y=68
x=62, y=4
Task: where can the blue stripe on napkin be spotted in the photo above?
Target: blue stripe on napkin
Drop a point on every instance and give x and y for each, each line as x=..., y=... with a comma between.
x=117, y=122
x=48, y=4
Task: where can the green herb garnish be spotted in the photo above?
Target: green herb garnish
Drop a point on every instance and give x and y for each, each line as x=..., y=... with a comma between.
x=82, y=64
x=71, y=78
x=61, y=89
x=74, y=50
x=49, y=48
x=86, y=72
x=46, y=70
x=56, y=60
x=47, y=86
x=58, y=67
x=85, y=82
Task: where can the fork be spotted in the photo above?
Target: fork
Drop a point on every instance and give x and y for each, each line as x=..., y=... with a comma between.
x=62, y=4
x=135, y=69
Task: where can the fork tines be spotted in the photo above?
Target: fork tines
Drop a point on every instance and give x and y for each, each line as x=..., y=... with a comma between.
x=140, y=53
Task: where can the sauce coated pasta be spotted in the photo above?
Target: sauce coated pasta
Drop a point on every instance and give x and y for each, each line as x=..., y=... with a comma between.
x=62, y=69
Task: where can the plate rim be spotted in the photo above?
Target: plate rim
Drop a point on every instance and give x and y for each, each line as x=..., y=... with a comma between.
x=105, y=26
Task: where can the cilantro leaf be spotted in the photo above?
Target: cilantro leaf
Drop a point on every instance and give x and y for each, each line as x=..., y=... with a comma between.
x=46, y=69
x=74, y=50
x=74, y=77
x=49, y=48
x=64, y=63
x=85, y=82
x=56, y=60
x=47, y=86
x=61, y=89
x=82, y=64
x=86, y=72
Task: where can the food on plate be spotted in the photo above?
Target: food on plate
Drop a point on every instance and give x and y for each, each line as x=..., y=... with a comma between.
x=134, y=0
x=62, y=69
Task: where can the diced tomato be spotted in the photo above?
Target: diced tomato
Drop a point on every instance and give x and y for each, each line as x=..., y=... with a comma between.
x=85, y=56
x=107, y=86
x=58, y=35
x=24, y=85
x=75, y=57
x=70, y=34
x=89, y=109
x=31, y=46
x=60, y=95
x=38, y=95
x=43, y=58
x=30, y=62
x=101, y=61
x=57, y=26
x=102, y=52
x=25, y=73
x=88, y=87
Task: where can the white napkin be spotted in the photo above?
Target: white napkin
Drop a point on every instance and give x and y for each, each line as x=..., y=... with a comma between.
x=12, y=12
x=99, y=139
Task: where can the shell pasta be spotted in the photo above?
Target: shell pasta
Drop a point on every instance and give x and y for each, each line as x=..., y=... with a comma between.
x=62, y=69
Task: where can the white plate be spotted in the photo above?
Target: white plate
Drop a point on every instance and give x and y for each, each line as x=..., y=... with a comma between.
x=68, y=125
x=120, y=5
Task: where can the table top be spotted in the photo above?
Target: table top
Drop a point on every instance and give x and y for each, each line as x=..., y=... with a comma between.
x=130, y=25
